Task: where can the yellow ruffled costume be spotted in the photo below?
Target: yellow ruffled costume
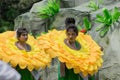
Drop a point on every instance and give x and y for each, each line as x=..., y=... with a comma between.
x=86, y=60
x=34, y=59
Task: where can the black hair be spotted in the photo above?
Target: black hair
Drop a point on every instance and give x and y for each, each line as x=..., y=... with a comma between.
x=73, y=27
x=69, y=20
x=20, y=31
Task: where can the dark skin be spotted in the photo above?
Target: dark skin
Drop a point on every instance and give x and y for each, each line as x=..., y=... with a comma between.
x=21, y=43
x=70, y=41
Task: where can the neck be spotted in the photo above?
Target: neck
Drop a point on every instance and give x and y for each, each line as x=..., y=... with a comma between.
x=21, y=43
x=71, y=43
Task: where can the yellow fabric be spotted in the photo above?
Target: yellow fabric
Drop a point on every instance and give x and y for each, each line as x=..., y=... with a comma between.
x=34, y=59
x=86, y=60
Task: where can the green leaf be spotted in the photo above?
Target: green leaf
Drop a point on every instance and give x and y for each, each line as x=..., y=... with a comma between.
x=50, y=10
x=37, y=35
x=107, y=19
x=115, y=14
x=43, y=32
x=99, y=18
x=109, y=22
x=56, y=6
x=104, y=31
x=87, y=24
x=107, y=16
x=93, y=5
x=100, y=27
x=106, y=13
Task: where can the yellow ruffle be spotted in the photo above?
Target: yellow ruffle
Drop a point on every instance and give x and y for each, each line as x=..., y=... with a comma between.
x=34, y=59
x=86, y=60
x=48, y=43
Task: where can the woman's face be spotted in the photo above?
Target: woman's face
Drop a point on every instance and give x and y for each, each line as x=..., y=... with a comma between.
x=71, y=35
x=23, y=37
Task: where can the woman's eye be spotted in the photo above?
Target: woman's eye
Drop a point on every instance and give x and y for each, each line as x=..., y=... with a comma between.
x=72, y=34
x=23, y=35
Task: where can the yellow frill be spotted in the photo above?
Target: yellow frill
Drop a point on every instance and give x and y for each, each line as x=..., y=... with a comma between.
x=86, y=60
x=34, y=59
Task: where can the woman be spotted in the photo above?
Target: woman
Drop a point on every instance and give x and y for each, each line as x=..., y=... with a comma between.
x=22, y=53
x=77, y=51
x=22, y=36
x=70, y=41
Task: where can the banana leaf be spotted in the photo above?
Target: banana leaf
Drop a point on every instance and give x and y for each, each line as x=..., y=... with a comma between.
x=109, y=22
x=50, y=10
x=93, y=5
x=104, y=31
x=100, y=27
x=115, y=14
x=99, y=18
x=106, y=13
x=56, y=5
x=87, y=24
x=107, y=17
x=106, y=20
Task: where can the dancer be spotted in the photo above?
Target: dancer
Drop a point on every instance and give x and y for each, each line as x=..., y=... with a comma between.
x=23, y=52
x=79, y=52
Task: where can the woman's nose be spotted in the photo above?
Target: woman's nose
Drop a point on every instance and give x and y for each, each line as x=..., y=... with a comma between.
x=26, y=36
x=70, y=36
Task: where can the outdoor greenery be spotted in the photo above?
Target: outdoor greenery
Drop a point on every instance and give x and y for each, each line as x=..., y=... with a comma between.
x=10, y=9
x=107, y=20
x=5, y=25
x=7, y=15
x=94, y=5
x=86, y=25
x=50, y=10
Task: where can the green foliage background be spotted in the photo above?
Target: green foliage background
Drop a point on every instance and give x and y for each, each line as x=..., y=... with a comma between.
x=10, y=9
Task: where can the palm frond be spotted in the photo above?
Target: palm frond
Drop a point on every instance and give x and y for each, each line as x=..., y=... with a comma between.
x=51, y=9
x=115, y=14
x=104, y=31
x=87, y=24
x=106, y=20
x=93, y=5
